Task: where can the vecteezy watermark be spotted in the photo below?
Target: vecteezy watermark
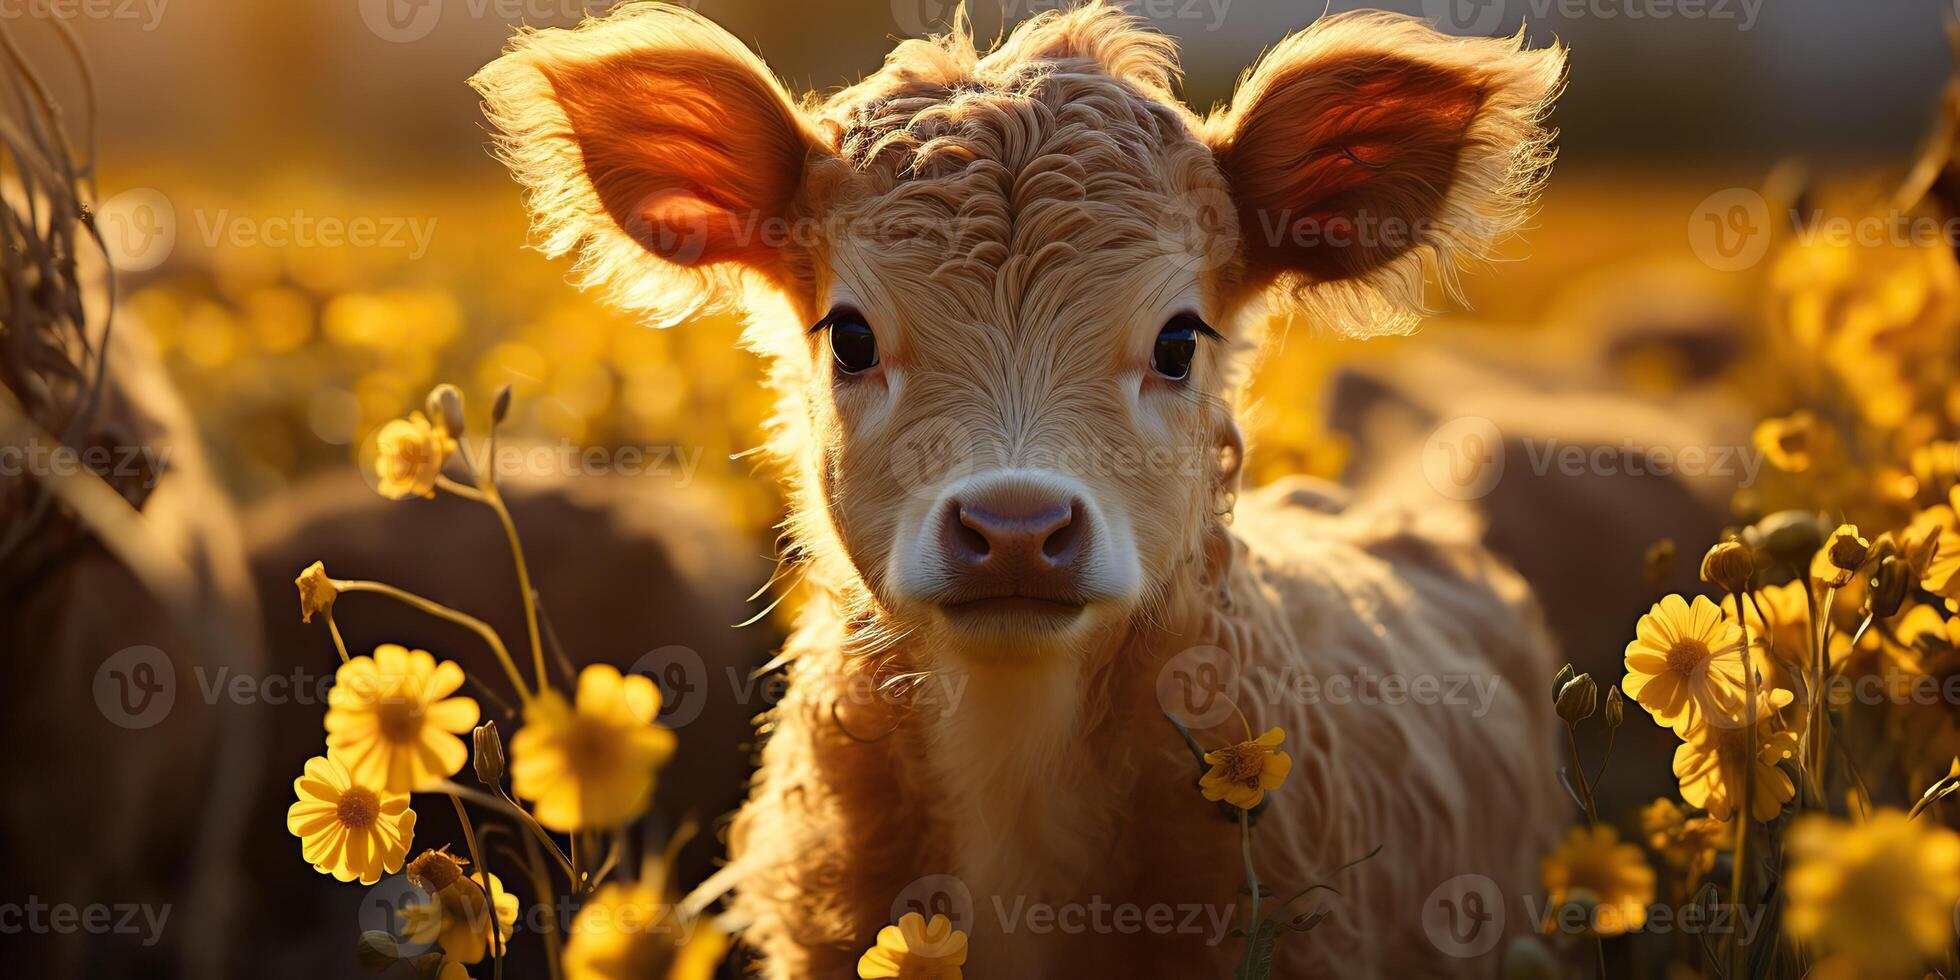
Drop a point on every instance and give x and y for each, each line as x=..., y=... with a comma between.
x=1731, y=230
x=1204, y=687
x=918, y=18
x=1489, y=16
x=117, y=463
x=140, y=229
x=1466, y=457
x=509, y=459
x=948, y=895
x=41, y=918
x=148, y=13
x=137, y=687
x=1465, y=917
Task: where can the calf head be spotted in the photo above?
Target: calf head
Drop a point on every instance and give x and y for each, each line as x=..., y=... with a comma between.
x=1007, y=296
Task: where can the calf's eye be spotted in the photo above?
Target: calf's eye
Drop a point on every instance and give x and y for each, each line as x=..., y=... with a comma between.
x=1177, y=346
x=851, y=341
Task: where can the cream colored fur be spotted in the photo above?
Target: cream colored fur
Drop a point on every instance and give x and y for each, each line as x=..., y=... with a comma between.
x=1016, y=226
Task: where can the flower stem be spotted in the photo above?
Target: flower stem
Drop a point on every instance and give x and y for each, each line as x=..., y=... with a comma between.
x=489, y=897
x=1743, y=811
x=441, y=611
x=1820, y=712
x=490, y=494
x=503, y=802
x=1251, y=880
x=1585, y=790
x=333, y=628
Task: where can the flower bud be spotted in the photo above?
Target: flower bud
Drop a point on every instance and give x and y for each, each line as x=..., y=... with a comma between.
x=1560, y=679
x=1789, y=538
x=1888, y=588
x=316, y=591
x=445, y=407
x=501, y=407
x=376, y=951
x=489, y=754
x=1577, y=701
x=1847, y=549
x=1616, y=707
x=435, y=870
x=1727, y=566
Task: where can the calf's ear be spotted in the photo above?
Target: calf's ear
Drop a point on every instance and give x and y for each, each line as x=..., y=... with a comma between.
x=1370, y=151
x=657, y=147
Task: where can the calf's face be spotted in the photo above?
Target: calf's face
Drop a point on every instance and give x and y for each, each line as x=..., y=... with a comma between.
x=1005, y=297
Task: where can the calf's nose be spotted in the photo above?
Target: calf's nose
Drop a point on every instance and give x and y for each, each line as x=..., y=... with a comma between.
x=1014, y=539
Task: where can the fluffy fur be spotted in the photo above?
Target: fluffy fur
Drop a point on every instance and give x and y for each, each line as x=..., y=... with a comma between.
x=1016, y=227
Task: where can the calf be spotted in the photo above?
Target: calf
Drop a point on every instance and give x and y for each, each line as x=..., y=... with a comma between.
x=1009, y=301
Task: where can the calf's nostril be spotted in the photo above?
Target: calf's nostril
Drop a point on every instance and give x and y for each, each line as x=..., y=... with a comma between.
x=1061, y=542
x=969, y=535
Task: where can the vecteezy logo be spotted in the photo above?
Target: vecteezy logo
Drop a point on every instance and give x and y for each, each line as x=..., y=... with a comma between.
x=1464, y=458
x=918, y=18
x=1730, y=230
x=1464, y=916
x=135, y=687
x=138, y=228
x=683, y=681
x=1465, y=16
x=931, y=453
x=1199, y=687
x=401, y=21
x=936, y=895
x=384, y=908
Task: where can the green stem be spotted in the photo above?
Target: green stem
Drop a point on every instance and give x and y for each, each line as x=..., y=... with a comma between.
x=504, y=803
x=1251, y=879
x=1744, y=809
x=1585, y=790
x=441, y=611
x=489, y=897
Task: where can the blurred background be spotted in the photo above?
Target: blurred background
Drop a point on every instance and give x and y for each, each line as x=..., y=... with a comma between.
x=311, y=233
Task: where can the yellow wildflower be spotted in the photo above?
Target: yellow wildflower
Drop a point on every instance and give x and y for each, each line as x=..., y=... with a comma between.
x=916, y=950
x=1878, y=896
x=409, y=456
x=348, y=828
x=591, y=765
x=1936, y=563
x=1592, y=864
x=1241, y=774
x=392, y=722
x=1709, y=763
x=1685, y=662
x=1686, y=844
x=455, y=914
x=628, y=931
x=1793, y=443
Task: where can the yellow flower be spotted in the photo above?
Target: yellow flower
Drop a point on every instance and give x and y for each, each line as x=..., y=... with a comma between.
x=348, y=828
x=316, y=592
x=391, y=721
x=1591, y=864
x=629, y=931
x=591, y=765
x=1879, y=896
x=1241, y=774
x=1709, y=763
x=1687, y=844
x=455, y=914
x=1920, y=675
x=409, y=456
x=1685, y=662
x=916, y=950
x=1792, y=444
x=1936, y=563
